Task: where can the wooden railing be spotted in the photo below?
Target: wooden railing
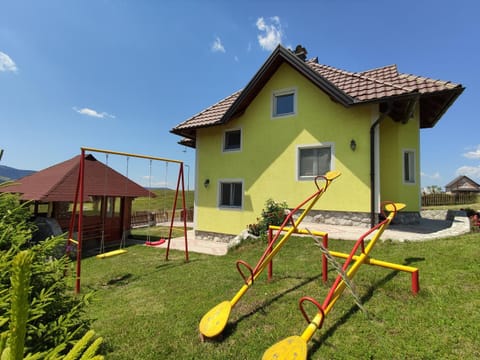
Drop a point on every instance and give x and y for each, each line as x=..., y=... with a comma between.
x=437, y=199
x=145, y=218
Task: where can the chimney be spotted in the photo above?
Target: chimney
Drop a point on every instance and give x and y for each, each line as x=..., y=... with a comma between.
x=301, y=52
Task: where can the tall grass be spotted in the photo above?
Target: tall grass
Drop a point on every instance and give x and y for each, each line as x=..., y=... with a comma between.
x=147, y=308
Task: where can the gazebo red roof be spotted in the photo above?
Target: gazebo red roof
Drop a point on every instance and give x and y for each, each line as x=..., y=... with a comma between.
x=59, y=182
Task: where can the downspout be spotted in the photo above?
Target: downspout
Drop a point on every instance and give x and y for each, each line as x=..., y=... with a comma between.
x=382, y=116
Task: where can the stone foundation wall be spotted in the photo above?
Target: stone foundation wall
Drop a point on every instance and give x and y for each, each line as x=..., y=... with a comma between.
x=357, y=218
x=213, y=236
x=346, y=218
x=442, y=214
x=338, y=218
x=406, y=218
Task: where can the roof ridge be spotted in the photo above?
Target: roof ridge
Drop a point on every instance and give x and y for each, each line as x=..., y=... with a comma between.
x=382, y=67
x=360, y=76
x=333, y=68
x=424, y=78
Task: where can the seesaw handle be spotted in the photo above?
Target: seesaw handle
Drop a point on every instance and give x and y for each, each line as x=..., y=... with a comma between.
x=242, y=274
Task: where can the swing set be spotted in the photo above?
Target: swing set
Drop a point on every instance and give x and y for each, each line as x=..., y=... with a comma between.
x=111, y=214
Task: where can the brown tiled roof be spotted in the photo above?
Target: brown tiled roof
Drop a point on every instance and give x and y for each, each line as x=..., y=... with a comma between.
x=59, y=182
x=364, y=86
x=381, y=85
x=208, y=117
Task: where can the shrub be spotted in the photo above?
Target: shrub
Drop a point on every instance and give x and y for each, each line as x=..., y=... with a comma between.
x=273, y=214
x=12, y=341
x=15, y=229
x=55, y=316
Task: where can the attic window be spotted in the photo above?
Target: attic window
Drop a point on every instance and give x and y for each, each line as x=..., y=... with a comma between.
x=232, y=140
x=284, y=103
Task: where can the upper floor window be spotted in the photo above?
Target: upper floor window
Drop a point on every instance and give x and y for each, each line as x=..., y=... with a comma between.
x=314, y=161
x=409, y=166
x=231, y=194
x=232, y=140
x=284, y=103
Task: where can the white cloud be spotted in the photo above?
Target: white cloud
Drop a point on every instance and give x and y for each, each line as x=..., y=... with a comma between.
x=93, y=113
x=470, y=171
x=217, y=46
x=236, y=58
x=473, y=154
x=434, y=176
x=6, y=63
x=272, y=32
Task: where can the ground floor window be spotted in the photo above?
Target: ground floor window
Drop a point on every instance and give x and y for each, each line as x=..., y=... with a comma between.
x=314, y=160
x=230, y=194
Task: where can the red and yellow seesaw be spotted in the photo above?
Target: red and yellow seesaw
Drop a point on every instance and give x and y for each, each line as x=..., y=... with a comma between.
x=295, y=347
x=215, y=320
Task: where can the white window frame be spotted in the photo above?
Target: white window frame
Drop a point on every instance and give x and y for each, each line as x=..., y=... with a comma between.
x=219, y=194
x=224, y=142
x=412, y=160
x=330, y=145
x=283, y=92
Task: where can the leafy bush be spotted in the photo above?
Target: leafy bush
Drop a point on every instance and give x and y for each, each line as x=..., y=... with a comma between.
x=55, y=316
x=12, y=342
x=15, y=229
x=470, y=212
x=273, y=214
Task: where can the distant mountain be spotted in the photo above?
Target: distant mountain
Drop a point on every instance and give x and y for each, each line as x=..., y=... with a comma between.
x=9, y=173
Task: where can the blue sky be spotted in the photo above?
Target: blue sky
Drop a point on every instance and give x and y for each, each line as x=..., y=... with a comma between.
x=120, y=74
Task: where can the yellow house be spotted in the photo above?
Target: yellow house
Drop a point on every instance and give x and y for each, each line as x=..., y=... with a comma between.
x=296, y=119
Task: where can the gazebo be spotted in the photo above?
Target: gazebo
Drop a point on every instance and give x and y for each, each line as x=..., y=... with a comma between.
x=108, y=197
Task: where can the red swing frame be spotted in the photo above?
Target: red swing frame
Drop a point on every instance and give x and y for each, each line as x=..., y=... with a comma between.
x=78, y=201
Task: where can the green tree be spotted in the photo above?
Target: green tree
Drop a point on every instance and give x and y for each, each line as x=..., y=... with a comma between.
x=434, y=189
x=12, y=341
x=55, y=316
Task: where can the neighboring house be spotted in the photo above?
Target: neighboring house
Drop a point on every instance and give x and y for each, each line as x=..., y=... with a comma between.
x=296, y=119
x=108, y=197
x=462, y=184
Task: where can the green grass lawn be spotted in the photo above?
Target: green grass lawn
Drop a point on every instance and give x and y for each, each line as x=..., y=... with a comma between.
x=163, y=200
x=147, y=308
x=155, y=233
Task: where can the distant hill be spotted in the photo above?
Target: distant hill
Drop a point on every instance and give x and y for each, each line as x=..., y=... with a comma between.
x=8, y=173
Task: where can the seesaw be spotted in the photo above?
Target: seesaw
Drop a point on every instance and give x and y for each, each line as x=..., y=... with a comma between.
x=214, y=321
x=295, y=347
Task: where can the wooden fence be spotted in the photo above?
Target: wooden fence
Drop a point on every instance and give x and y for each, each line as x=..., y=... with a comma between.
x=145, y=218
x=449, y=199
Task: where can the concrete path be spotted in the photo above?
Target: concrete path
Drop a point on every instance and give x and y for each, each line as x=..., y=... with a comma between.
x=427, y=229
